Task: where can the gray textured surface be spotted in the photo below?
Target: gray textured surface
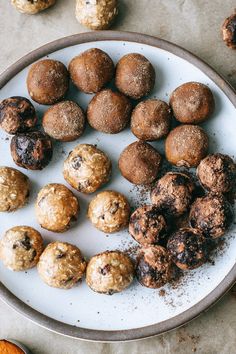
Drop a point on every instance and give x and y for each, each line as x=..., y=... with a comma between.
x=193, y=24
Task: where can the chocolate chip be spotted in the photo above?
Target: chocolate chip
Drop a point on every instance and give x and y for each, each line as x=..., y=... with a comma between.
x=105, y=270
x=76, y=162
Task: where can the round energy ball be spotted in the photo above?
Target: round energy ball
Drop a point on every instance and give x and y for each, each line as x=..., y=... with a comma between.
x=64, y=121
x=32, y=150
x=61, y=265
x=229, y=31
x=192, y=103
x=91, y=70
x=47, y=81
x=14, y=189
x=188, y=248
x=147, y=226
x=212, y=215
x=186, y=146
x=87, y=168
x=139, y=163
x=135, y=76
x=172, y=194
x=151, y=120
x=109, y=112
x=56, y=207
x=154, y=267
x=109, y=272
x=17, y=115
x=217, y=173
x=109, y=211
x=32, y=7
x=20, y=248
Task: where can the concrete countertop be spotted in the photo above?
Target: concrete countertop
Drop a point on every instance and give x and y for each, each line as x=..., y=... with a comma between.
x=193, y=24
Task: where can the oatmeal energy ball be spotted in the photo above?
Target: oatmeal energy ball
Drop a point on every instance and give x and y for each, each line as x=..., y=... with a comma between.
x=32, y=7
x=229, y=31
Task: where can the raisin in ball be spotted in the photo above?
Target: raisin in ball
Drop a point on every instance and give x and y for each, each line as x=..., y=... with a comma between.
x=91, y=70
x=154, y=266
x=188, y=248
x=135, y=76
x=173, y=193
x=17, y=115
x=139, y=163
x=217, y=173
x=147, y=226
x=229, y=31
x=212, y=215
x=109, y=112
x=32, y=150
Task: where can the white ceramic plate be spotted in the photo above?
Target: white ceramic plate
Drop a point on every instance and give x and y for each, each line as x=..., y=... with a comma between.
x=137, y=312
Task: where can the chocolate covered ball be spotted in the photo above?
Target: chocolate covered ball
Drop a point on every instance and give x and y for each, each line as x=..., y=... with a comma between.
x=147, y=226
x=135, y=76
x=47, y=81
x=188, y=248
x=17, y=115
x=139, y=163
x=229, y=31
x=91, y=70
x=109, y=112
x=186, y=146
x=212, y=215
x=32, y=150
x=172, y=194
x=151, y=120
x=154, y=267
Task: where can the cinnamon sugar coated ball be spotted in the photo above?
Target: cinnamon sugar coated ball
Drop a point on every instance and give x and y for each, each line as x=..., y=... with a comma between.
x=109, y=272
x=14, y=189
x=87, y=168
x=229, y=31
x=151, y=120
x=47, y=81
x=147, y=226
x=135, y=76
x=61, y=265
x=192, y=103
x=109, y=211
x=91, y=70
x=20, y=248
x=212, y=215
x=64, y=121
x=56, y=207
x=109, y=112
x=32, y=7
x=172, y=194
x=188, y=248
x=139, y=163
x=17, y=115
x=154, y=267
x=186, y=146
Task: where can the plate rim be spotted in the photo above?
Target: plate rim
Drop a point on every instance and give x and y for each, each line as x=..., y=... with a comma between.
x=152, y=330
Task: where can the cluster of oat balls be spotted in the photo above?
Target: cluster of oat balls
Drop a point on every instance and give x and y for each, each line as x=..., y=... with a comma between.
x=87, y=168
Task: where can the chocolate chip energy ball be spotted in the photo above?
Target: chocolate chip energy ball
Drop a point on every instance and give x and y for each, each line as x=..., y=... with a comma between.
x=17, y=115
x=135, y=76
x=47, y=81
x=109, y=272
x=109, y=112
x=91, y=70
x=188, y=248
x=109, y=211
x=14, y=189
x=186, y=146
x=192, y=103
x=64, y=121
x=20, y=248
x=151, y=120
x=56, y=207
x=154, y=267
x=32, y=150
x=217, y=173
x=61, y=265
x=229, y=31
x=147, y=226
x=87, y=168
x=172, y=194
x=32, y=7
x=139, y=163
